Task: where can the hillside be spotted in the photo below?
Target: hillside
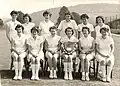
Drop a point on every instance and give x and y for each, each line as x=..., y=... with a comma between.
x=92, y=10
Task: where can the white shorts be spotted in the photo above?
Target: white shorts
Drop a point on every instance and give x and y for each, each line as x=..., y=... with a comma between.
x=89, y=57
x=100, y=58
x=39, y=56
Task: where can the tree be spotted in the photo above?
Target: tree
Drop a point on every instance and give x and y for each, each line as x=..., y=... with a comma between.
x=76, y=17
x=20, y=17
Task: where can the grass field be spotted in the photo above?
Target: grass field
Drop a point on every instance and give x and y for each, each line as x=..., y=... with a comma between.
x=5, y=63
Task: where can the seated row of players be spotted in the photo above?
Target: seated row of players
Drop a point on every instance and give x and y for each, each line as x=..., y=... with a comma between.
x=32, y=47
x=82, y=31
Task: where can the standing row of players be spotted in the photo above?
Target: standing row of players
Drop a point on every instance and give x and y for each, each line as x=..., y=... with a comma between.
x=25, y=41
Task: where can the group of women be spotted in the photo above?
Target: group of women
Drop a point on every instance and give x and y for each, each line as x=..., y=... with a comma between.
x=73, y=43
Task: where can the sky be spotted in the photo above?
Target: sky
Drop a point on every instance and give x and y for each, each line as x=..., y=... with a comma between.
x=30, y=6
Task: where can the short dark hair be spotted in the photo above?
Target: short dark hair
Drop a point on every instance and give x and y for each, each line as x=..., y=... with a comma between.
x=84, y=16
x=18, y=26
x=67, y=13
x=27, y=15
x=53, y=27
x=13, y=12
x=88, y=29
x=46, y=12
x=99, y=17
x=35, y=28
x=104, y=28
x=70, y=29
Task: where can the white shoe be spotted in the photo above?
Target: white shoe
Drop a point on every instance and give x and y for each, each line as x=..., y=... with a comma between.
x=87, y=78
x=108, y=79
x=33, y=77
x=19, y=77
x=37, y=78
x=66, y=76
x=55, y=75
x=70, y=76
x=51, y=74
x=104, y=79
x=83, y=76
x=15, y=77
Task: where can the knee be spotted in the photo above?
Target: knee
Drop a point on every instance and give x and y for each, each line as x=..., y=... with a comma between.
x=70, y=58
x=109, y=63
x=102, y=63
x=65, y=57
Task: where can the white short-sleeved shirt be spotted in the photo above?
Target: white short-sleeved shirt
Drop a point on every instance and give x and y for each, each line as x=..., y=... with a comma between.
x=86, y=43
x=90, y=26
x=97, y=29
x=44, y=26
x=27, y=28
x=19, y=43
x=104, y=44
x=53, y=42
x=11, y=26
x=64, y=24
x=35, y=44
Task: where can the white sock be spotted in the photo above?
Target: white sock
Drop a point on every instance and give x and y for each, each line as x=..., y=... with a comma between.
x=37, y=66
x=109, y=69
x=20, y=68
x=103, y=69
x=16, y=68
x=33, y=69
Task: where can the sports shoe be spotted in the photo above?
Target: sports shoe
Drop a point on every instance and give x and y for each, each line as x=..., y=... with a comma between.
x=15, y=78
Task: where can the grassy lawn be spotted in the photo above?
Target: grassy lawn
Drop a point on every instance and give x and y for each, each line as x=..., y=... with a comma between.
x=5, y=63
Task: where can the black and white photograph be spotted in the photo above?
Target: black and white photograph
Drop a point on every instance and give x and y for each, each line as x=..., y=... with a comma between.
x=60, y=43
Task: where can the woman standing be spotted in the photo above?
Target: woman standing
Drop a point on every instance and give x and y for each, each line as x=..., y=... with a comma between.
x=105, y=49
x=86, y=47
x=85, y=23
x=28, y=25
x=100, y=24
x=10, y=26
x=68, y=22
x=19, y=51
x=68, y=44
x=35, y=44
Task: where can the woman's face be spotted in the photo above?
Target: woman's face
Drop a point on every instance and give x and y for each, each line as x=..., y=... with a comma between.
x=26, y=19
x=104, y=33
x=19, y=30
x=67, y=17
x=14, y=16
x=84, y=20
x=34, y=33
x=53, y=31
x=85, y=32
x=99, y=20
x=69, y=32
x=46, y=16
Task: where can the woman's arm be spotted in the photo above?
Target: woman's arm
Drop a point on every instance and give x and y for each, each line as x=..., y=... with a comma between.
x=7, y=32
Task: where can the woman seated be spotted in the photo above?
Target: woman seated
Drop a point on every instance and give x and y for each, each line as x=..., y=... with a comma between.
x=68, y=44
x=51, y=47
x=35, y=45
x=19, y=51
x=86, y=47
x=105, y=49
